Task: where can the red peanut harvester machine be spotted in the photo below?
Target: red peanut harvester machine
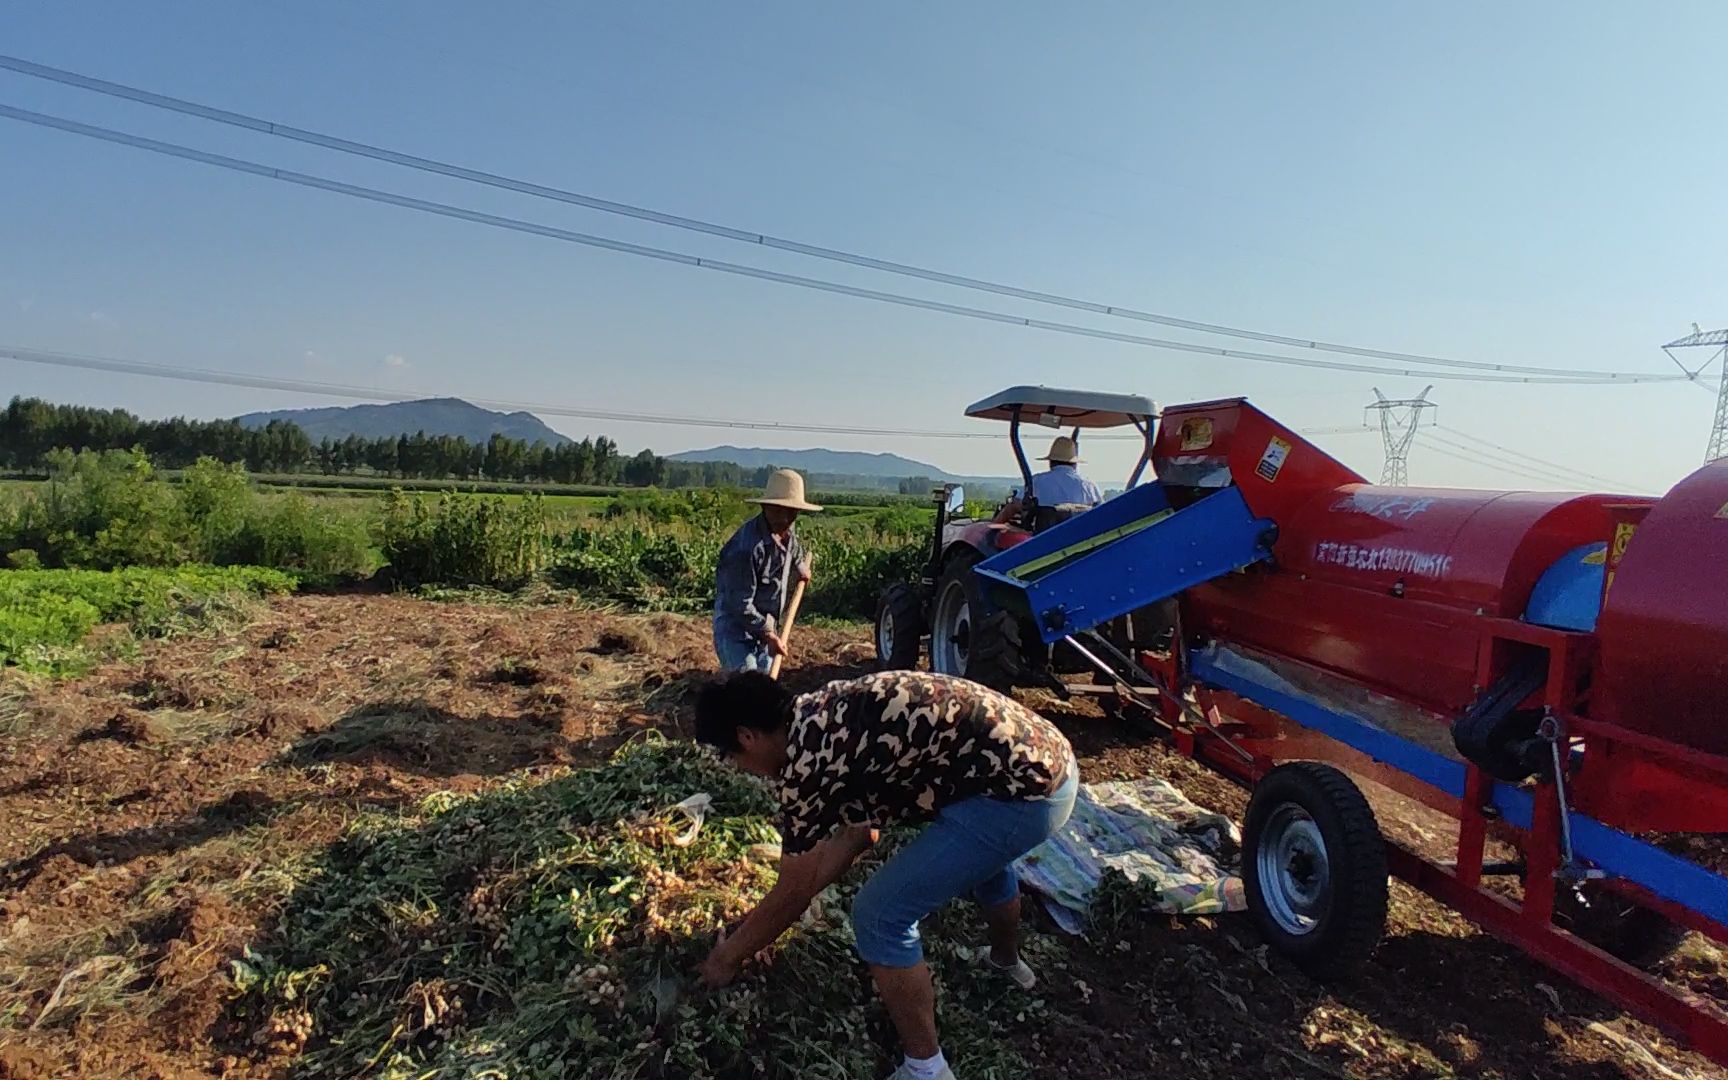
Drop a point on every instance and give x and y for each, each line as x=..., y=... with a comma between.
x=1548, y=670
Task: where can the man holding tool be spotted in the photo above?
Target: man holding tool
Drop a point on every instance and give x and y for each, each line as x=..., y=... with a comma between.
x=752, y=576
x=993, y=779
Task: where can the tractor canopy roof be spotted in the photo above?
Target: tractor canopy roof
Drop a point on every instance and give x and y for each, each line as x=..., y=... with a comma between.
x=1053, y=407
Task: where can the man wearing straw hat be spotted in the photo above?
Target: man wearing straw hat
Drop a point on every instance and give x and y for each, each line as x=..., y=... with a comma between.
x=755, y=568
x=1061, y=484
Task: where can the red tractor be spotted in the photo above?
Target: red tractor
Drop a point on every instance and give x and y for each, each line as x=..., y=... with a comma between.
x=950, y=607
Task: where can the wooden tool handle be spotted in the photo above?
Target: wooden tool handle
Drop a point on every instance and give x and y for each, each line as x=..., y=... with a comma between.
x=786, y=628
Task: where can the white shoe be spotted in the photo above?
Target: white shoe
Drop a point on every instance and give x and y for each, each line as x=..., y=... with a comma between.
x=904, y=1072
x=1021, y=974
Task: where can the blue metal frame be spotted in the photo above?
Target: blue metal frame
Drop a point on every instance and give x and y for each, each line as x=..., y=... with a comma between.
x=1208, y=539
x=1608, y=849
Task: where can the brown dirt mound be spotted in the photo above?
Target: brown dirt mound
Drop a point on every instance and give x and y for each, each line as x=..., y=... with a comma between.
x=183, y=690
x=627, y=641
x=134, y=728
x=280, y=720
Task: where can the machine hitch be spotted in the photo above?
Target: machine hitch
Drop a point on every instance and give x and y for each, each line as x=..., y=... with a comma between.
x=1571, y=870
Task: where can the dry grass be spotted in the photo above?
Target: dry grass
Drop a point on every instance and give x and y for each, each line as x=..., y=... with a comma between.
x=57, y=977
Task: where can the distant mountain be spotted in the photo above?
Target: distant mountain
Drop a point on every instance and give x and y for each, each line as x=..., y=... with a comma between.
x=434, y=416
x=829, y=462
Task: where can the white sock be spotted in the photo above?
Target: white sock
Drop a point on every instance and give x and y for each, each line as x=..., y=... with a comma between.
x=928, y=1068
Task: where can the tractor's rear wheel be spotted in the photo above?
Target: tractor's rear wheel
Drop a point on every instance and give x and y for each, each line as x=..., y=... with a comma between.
x=899, y=627
x=967, y=638
x=1314, y=865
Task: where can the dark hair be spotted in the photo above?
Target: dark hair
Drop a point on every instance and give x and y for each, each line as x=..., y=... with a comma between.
x=748, y=699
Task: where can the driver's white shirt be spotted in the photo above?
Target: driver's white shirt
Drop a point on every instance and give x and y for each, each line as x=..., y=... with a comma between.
x=1062, y=484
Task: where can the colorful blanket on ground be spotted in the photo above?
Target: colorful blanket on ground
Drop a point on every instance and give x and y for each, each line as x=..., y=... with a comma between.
x=1149, y=831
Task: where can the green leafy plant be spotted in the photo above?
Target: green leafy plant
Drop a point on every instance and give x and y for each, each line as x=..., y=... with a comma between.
x=45, y=614
x=465, y=540
x=552, y=927
x=110, y=510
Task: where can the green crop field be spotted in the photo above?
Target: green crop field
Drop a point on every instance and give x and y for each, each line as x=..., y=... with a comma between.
x=641, y=547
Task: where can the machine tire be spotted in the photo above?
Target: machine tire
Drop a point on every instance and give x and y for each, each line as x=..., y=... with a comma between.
x=1619, y=927
x=998, y=652
x=950, y=626
x=1326, y=920
x=984, y=648
x=899, y=628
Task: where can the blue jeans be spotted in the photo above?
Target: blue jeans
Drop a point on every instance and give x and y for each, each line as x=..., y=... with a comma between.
x=739, y=653
x=970, y=847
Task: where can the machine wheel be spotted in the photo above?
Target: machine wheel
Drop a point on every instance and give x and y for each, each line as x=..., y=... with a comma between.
x=1619, y=927
x=998, y=653
x=1314, y=865
x=984, y=648
x=951, y=616
x=899, y=627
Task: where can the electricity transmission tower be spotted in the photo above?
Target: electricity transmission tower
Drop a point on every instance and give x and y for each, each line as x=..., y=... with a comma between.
x=1717, y=339
x=1398, y=423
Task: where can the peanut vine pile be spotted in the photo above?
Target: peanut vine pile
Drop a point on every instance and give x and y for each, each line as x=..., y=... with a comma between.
x=552, y=927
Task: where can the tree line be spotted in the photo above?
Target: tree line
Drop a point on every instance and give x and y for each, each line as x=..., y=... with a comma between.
x=30, y=429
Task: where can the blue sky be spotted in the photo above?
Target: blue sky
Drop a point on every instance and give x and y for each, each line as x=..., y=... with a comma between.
x=1533, y=183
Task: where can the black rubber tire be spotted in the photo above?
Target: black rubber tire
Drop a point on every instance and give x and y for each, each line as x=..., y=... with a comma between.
x=900, y=602
x=998, y=657
x=994, y=657
x=956, y=573
x=1352, y=904
x=1619, y=927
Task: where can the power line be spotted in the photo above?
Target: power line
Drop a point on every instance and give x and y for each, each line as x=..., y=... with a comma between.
x=759, y=273
x=1528, y=471
x=1532, y=458
x=1556, y=473
x=377, y=153
x=1552, y=474
x=365, y=393
x=1503, y=466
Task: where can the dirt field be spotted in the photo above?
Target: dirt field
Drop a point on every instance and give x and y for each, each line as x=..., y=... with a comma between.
x=153, y=811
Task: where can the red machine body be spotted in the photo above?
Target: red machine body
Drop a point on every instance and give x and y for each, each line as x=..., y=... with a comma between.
x=1663, y=633
x=1399, y=607
x=1421, y=594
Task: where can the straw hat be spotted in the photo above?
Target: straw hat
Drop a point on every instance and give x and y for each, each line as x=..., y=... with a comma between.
x=1062, y=452
x=785, y=488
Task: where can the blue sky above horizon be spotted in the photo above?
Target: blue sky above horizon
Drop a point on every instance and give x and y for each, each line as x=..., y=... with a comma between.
x=1533, y=184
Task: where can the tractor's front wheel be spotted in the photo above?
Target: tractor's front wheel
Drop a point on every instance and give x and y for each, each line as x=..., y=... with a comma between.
x=899, y=627
x=1314, y=865
x=967, y=638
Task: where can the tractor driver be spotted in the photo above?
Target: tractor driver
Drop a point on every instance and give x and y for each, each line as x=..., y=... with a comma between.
x=1059, y=485
x=992, y=778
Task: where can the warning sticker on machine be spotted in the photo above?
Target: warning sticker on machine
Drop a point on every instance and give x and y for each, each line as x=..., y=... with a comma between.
x=1196, y=433
x=1617, y=551
x=1272, y=461
x=1723, y=513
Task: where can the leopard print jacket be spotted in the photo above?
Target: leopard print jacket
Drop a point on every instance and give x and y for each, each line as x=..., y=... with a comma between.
x=901, y=745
